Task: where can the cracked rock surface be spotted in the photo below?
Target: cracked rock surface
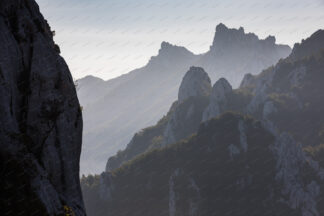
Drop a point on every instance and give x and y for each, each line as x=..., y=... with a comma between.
x=40, y=117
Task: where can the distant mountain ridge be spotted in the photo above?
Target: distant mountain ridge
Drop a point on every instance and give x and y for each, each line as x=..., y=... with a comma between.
x=232, y=50
x=287, y=97
x=114, y=110
x=220, y=161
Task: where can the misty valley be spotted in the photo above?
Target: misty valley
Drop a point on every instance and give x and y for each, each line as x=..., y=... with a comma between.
x=237, y=130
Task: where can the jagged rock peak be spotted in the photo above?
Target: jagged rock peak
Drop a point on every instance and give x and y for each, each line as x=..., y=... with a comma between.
x=310, y=46
x=168, y=48
x=196, y=82
x=170, y=53
x=218, y=101
x=229, y=37
x=221, y=88
x=224, y=34
x=166, y=45
x=221, y=28
x=271, y=39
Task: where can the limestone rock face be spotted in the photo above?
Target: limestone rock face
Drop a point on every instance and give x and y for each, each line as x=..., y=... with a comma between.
x=182, y=119
x=217, y=99
x=196, y=82
x=41, y=120
x=192, y=100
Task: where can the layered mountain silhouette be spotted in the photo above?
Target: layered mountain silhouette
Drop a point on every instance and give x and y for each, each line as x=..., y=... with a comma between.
x=203, y=159
x=114, y=110
x=182, y=120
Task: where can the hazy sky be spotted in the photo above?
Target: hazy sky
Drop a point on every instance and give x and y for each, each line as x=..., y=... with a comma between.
x=107, y=38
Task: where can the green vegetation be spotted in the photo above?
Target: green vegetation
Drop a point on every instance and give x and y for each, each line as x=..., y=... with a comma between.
x=153, y=137
x=208, y=169
x=142, y=185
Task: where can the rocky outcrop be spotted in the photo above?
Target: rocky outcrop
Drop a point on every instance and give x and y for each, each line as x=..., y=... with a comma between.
x=310, y=46
x=227, y=39
x=287, y=96
x=233, y=163
x=126, y=104
x=169, y=55
x=221, y=90
x=192, y=99
x=182, y=120
x=41, y=120
x=232, y=49
x=195, y=83
x=265, y=96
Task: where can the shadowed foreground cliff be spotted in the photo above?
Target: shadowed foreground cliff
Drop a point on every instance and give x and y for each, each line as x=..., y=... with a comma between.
x=40, y=117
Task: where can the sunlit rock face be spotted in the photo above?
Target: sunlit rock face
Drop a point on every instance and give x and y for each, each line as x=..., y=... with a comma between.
x=41, y=120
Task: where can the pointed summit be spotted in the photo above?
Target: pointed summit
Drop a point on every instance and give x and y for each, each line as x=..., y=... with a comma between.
x=171, y=54
x=225, y=37
x=221, y=88
x=218, y=99
x=221, y=28
x=196, y=82
x=168, y=48
x=166, y=45
x=312, y=45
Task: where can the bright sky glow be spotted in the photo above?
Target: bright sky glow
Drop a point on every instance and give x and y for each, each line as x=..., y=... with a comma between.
x=107, y=38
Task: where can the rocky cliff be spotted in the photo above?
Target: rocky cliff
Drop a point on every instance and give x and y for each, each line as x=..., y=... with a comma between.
x=234, y=52
x=287, y=96
x=277, y=160
x=116, y=109
x=41, y=120
x=182, y=120
x=195, y=83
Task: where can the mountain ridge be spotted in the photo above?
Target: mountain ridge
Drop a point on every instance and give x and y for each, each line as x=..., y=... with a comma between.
x=257, y=151
x=258, y=96
x=155, y=87
x=231, y=155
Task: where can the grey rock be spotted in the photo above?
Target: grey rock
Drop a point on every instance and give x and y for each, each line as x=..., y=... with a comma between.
x=41, y=120
x=116, y=109
x=221, y=90
x=196, y=82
